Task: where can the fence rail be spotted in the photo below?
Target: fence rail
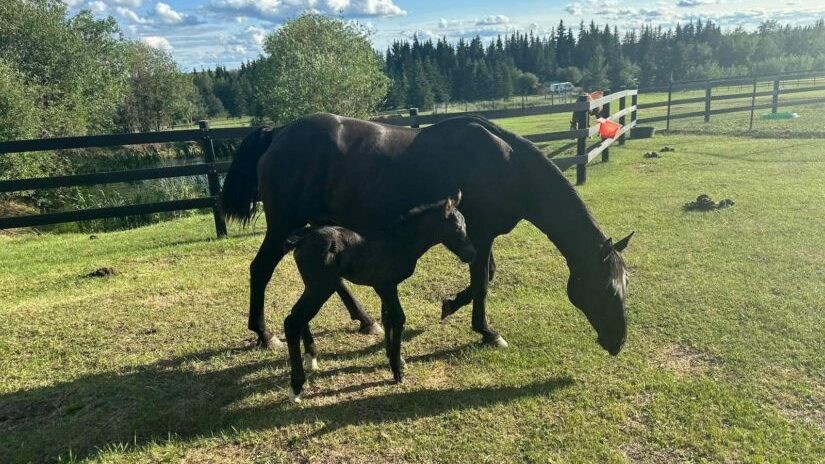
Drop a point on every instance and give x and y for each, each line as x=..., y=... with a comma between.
x=212, y=168
x=776, y=91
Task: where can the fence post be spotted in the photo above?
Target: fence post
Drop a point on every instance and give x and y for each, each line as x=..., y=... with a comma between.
x=775, y=101
x=753, y=104
x=634, y=101
x=582, y=120
x=212, y=177
x=606, y=114
x=622, y=106
x=669, y=99
x=707, y=102
x=414, y=118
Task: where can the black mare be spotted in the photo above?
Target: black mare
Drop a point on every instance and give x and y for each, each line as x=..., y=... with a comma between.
x=325, y=255
x=359, y=174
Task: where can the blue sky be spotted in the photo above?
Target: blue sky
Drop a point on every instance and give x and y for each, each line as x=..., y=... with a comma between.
x=203, y=33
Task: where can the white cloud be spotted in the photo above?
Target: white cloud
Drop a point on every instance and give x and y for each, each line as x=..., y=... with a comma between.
x=97, y=6
x=156, y=41
x=493, y=20
x=131, y=15
x=256, y=34
x=129, y=3
x=167, y=15
x=279, y=9
x=574, y=9
x=692, y=3
x=449, y=23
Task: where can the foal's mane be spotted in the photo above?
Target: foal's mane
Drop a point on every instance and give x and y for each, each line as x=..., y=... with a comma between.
x=415, y=212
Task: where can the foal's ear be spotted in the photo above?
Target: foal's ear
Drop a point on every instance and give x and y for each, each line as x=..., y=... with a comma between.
x=622, y=244
x=448, y=207
x=457, y=198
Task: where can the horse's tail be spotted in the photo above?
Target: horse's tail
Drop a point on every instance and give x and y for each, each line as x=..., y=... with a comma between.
x=239, y=196
x=295, y=238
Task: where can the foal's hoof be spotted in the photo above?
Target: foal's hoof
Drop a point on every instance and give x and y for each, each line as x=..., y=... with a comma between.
x=294, y=397
x=498, y=342
x=371, y=329
x=398, y=378
x=310, y=363
x=270, y=343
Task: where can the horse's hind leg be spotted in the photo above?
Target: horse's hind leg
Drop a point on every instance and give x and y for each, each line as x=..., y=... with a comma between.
x=260, y=273
x=357, y=312
x=464, y=297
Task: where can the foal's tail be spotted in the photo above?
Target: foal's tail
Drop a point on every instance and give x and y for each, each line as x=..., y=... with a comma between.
x=239, y=196
x=295, y=238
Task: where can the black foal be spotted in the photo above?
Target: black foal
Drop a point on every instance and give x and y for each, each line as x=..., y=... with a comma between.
x=325, y=255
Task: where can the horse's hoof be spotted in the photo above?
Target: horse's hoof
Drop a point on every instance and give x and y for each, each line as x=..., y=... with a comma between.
x=294, y=397
x=446, y=309
x=310, y=363
x=398, y=378
x=271, y=343
x=371, y=329
x=498, y=342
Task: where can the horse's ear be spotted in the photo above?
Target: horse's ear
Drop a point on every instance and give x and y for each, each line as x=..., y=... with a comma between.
x=448, y=207
x=622, y=244
x=607, y=247
x=457, y=198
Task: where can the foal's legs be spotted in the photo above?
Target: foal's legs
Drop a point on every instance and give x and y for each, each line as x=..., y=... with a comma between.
x=357, y=312
x=392, y=315
x=310, y=352
x=296, y=324
x=464, y=297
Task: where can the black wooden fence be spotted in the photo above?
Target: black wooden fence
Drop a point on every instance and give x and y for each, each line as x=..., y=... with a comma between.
x=778, y=85
x=209, y=168
x=212, y=168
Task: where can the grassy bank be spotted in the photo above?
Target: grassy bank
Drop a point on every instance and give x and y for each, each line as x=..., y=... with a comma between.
x=724, y=360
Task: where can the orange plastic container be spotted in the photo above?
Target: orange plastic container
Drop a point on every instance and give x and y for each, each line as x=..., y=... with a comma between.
x=608, y=129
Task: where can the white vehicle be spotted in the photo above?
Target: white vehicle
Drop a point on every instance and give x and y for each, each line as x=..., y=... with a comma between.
x=562, y=87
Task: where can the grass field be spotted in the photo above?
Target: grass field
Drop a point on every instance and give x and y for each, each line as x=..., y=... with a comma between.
x=724, y=360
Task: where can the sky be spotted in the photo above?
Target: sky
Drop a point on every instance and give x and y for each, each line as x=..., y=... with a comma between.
x=204, y=33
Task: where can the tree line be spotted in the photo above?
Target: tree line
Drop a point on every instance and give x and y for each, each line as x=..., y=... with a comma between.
x=424, y=72
x=594, y=57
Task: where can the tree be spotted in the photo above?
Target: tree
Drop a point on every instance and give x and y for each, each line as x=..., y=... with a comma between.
x=318, y=63
x=19, y=116
x=595, y=74
x=420, y=92
x=75, y=65
x=570, y=74
x=526, y=84
x=159, y=94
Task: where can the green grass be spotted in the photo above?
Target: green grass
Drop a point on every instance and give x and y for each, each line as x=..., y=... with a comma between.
x=723, y=364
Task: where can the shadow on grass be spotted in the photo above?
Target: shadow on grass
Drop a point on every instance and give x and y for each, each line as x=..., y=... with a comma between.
x=170, y=398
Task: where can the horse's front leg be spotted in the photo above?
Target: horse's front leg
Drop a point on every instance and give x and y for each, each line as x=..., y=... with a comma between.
x=464, y=297
x=479, y=281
